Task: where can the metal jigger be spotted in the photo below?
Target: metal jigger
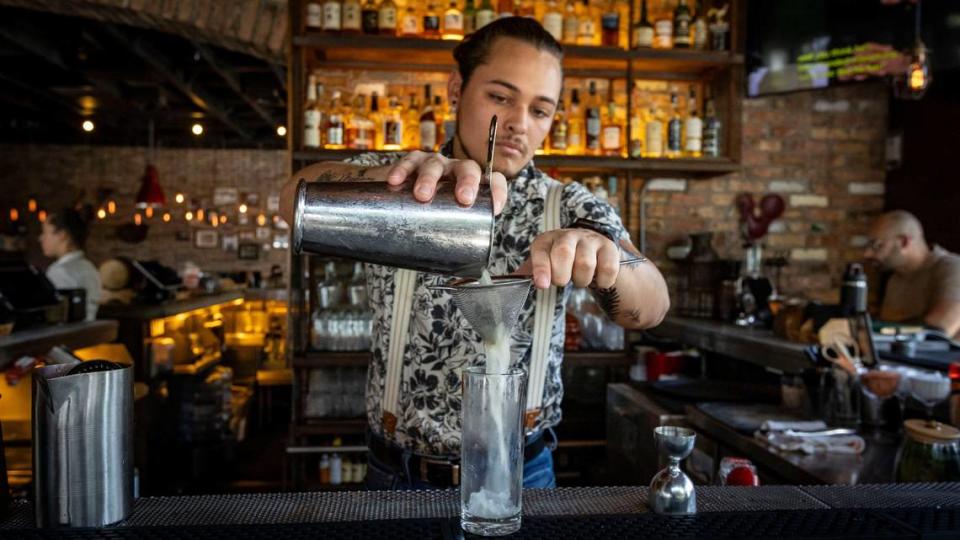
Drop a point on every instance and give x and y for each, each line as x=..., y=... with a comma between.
x=671, y=491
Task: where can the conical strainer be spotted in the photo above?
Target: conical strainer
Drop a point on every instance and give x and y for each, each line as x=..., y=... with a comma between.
x=486, y=306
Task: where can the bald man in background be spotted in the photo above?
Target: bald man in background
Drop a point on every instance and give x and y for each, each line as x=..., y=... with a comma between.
x=924, y=287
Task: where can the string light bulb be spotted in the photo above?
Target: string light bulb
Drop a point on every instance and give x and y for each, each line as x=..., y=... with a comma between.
x=200, y=214
x=913, y=83
x=32, y=205
x=101, y=213
x=243, y=208
x=148, y=211
x=223, y=219
x=179, y=198
x=137, y=219
x=88, y=126
x=188, y=216
x=261, y=220
x=14, y=214
x=197, y=129
x=42, y=215
x=282, y=131
x=166, y=217
x=111, y=207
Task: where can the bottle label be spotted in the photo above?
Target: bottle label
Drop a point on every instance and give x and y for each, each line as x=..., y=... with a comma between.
x=587, y=28
x=431, y=23
x=643, y=36
x=484, y=17
x=611, y=138
x=570, y=29
x=314, y=15
x=654, y=138
x=700, y=34
x=335, y=135
x=393, y=133
x=364, y=139
x=610, y=21
x=409, y=25
x=711, y=138
x=593, y=133
x=370, y=21
x=573, y=139
x=311, y=129
x=553, y=23
x=453, y=21
x=428, y=135
x=674, y=130
x=694, y=127
x=311, y=118
x=558, y=136
x=351, y=16
x=331, y=16
x=664, y=33
x=681, y=29
x=387, y=19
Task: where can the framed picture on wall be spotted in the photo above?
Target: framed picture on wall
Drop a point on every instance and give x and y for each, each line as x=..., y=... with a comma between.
x=206, y=239
x=223, y=196
x=252, y=198
x=263, y=233
x=183, y=236
x=230, y=242
x=249, y=252
x=247, y=236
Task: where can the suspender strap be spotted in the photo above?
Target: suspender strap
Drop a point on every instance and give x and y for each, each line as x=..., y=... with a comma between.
x=543, y=317
x=404, y=284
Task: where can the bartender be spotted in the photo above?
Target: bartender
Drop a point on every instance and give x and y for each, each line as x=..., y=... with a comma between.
x=63, y=236
x=510, y=68
x=924, y=285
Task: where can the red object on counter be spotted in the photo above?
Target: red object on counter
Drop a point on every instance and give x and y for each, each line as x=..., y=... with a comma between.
x=742, y=476
x=663, y=363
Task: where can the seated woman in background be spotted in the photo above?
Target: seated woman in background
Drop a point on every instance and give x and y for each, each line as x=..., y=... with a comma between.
x=63, y=237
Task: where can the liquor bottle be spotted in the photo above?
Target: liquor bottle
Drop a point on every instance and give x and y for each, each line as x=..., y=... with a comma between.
x=369, y=17
x=449, y=122
x=410, y=21
x=643, y=31
x=387, y=18
x=393, y=125
x=485, y=14
x=351, y=21
x=635, y=128
x=700, y=28
x=411, y=119
x=654, y=129
x=505, y=8
x=428, y=123
x=357, y=114
x=610, y=25
x=611, y=141
x=594, y=124
x=453, y=22
x=613, y=195
x=558, y=131
x=575, y=125
x=553, y=20
x=526, y=9
x=312, y=115
x=586, y=25
x=314, y=18
x=469, y=18
x=712, y=128
x=681, y=25
x=331, y=16
x=674, y=128
x=571, y=22
x=663, y=29
x=431, y=21
x=335, y=127
x=693, y=147
x=376, y=141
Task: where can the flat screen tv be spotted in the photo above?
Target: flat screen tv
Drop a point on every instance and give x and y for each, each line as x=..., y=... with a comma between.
x=806, y=44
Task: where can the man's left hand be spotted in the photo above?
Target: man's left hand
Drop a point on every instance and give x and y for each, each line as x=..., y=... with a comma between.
x=579, y=255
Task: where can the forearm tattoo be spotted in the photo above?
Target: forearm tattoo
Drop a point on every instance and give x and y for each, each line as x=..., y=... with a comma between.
x=608, y=299
x=636, y=315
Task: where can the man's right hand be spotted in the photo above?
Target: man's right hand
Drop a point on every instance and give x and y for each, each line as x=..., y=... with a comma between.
x=426, y=169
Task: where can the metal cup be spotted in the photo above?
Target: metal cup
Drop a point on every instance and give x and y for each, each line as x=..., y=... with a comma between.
x=671, y=491
x=381, y=224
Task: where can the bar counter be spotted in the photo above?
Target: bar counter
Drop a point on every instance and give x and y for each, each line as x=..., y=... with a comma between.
x=39, y=340
x=869, y=511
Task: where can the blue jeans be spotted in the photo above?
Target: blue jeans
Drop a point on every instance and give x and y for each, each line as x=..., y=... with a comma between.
x=537, y=473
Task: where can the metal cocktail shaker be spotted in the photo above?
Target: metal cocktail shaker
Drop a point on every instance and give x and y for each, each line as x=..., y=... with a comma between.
x=382, y=224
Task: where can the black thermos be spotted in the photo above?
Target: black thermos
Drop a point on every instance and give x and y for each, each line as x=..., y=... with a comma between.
x=853, y=291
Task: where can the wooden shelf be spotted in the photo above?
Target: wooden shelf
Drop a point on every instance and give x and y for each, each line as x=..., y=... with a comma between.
x=332, y=51
x=684, y=167
x=39, y=340
x=323, y=359
x=206, y=362
x=596, y=358
x=330, y=426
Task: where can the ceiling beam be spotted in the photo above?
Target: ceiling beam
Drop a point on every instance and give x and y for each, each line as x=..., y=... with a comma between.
x=166, y=68
x=211, y=59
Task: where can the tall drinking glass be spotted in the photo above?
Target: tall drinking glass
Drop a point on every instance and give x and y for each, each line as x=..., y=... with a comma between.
x=492, y=451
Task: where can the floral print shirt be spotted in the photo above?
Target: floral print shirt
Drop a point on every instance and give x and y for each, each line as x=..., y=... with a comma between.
x=440, y=342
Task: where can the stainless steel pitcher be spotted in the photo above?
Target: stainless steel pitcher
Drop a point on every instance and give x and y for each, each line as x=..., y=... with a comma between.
x=377, y=223
x=82, y=444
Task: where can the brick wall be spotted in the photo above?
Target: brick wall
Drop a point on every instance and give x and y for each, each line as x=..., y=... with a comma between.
x=823, y=151
x=59, y=175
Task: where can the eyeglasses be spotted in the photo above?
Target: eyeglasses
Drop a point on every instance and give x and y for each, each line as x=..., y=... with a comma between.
x=874, y=244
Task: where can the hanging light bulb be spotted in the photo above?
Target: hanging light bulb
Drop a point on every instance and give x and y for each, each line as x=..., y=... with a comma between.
x=87, y=126
x=913, y=83
x=42, y=215
x=188, y=216
x=32, y=205
x=200, y=214
x=137, y=219
x=243, y=208
x=111, y=207
x=197, y=129
x=166, y=217
x=281, y=130
x=14, y=214
x=223, y=219
x=148, y=211
x=101, y=213
x=179, y=198
x=261, y=220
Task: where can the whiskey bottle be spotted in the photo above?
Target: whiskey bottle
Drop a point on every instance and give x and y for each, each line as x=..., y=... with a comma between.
x=674, y=129
x=593, y=121
x=311, y=115
x=469, y=18
x=393, y=125
x=368, y=16
x=558, y=131
x=712, y=129
x=654, y=129
x=335, y=127
x=428, y=123
x=553, y=20
x=643, y=31
x=611, y=139
x=700, y=28
x=453, y=22
x=351, y=21
x=331, y=16
x=387, y=18
x=410, y=21
x=693, y=127
x=575, y=125
x=314, y=18
x=663, y=28
x=485, y=14
x=571, y=23
x=681, y=25
x=431, y=21
x=586, y=25
x=610, y=25
x=411, y=120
